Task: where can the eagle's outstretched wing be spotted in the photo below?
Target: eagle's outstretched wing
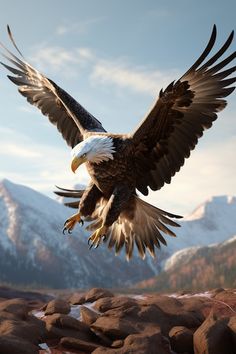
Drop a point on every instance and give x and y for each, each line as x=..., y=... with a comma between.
x=182, y=112
x=70, y=118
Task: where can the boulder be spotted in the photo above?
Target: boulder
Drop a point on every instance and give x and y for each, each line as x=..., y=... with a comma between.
x=88, y=316
x=181, y=339
x=151, y=342
x=117, y=343
x=123, y=316
x=78, y=344
x=97, y=293
x=55, y=334
x=232, y=327
x=114, y=327
x=21, y=329
x=213, y=337
x=14, y=345
x=119, y=302
x=57, y=306
x=77, y=299
x=65, y=321
x=18, y=307
x=59, y=326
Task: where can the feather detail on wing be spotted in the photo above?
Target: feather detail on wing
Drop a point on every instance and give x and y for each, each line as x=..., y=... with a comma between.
x=70, y=193
x=70, y=118
x=144, y=229
x=183, y=111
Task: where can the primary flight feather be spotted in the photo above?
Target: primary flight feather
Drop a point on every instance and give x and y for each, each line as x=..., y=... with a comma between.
x=120, y=165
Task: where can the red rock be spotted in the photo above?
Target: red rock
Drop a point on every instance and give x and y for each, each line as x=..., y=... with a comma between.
x=213, y=337
x=4, y=315
x=59, y=326
x=56, y=333
x=21, y=329
x=117, y=343
x=14, y=345
x=226, y=295
x=88, y=316
x=97, y=293
x=65, y=321
x=124, y=316
x=181, y=339
x=232, y=327
x=57, y=306
x=119, y=302
x=143, y=343
x=18, y=307
x=165, y=303
x=198, y=304
x=78, y=344
x=77, y=299
x=114, y=327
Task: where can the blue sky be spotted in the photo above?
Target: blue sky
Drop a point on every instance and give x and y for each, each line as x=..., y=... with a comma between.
x=114, y=57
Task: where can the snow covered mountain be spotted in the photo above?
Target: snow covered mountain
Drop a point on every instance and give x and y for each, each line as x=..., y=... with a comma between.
x=198, y=268
x=212, y=222
x=34, y=250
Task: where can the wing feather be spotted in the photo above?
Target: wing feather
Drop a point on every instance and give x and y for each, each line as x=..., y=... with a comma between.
x=187, y=107
x=70, y=118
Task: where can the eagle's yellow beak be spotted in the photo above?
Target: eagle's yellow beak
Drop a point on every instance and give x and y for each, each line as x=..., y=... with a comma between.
x=76, y=162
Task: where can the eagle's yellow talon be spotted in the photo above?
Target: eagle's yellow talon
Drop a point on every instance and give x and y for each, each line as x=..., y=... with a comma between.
x=96, y=238
x=71, y=222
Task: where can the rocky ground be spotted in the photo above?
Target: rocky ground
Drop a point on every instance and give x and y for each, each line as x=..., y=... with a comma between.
x=100, y=322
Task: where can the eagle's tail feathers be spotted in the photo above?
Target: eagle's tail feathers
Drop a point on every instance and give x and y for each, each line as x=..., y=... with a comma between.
x=144, y=229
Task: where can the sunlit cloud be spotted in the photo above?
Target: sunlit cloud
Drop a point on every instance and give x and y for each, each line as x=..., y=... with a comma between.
x=11, y=149
x=107, y=72
x=62, y=61
x=40, y=166
x=80, y=27
x=126, y=76
x=54, y=58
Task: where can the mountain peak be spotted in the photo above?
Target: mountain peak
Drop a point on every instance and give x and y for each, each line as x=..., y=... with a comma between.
x=213, y=205
x=34, y=250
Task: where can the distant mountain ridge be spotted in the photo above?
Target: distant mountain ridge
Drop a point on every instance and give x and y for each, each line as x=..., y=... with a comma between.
x=33, y=249
x=198, y=268
x=212, y=222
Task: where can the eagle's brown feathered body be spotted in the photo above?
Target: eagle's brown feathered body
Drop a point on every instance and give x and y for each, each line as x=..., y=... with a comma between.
x=147, y=158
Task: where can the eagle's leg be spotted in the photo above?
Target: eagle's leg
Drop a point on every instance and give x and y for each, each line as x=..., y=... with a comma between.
x=118, y=200
x=87, y=205
x=71, y=222
x=96, y=238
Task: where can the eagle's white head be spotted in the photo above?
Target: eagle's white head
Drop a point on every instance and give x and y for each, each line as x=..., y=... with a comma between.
x=96, y=148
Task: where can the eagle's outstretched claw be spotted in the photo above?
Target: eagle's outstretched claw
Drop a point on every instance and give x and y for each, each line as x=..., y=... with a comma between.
x=96, y=238
x=71, y=222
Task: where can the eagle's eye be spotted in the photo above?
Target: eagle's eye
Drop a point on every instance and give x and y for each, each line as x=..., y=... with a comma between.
x=83, y=156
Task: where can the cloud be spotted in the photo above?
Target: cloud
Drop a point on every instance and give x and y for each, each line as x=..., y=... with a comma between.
x=60, y=60
x=40, y=166
x=11, y=149
x=78, y=27
x=118, y=73
x=54, y=58
x=127, y=76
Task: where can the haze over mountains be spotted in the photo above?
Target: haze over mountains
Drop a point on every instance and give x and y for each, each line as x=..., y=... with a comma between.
x=34, y=251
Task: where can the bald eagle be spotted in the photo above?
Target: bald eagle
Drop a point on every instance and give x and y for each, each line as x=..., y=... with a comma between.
x=120, y=165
